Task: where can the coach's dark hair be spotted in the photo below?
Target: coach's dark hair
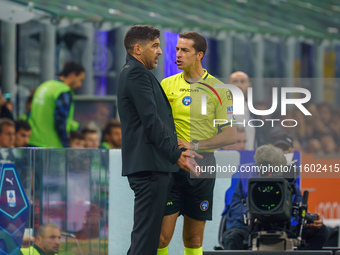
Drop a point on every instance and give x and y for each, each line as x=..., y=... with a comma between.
x=22, y=124
x=71, y=67
x=139, y=34
x=200, y=43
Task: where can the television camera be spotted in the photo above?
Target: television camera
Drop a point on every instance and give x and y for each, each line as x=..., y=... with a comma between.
x=275, y=221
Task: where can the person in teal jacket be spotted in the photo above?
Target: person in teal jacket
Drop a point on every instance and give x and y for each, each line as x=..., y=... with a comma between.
x=51, y=115
x=47, y=241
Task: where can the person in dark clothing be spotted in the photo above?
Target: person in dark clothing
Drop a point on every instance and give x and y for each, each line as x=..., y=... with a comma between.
x=4, y=111
x=150, y=152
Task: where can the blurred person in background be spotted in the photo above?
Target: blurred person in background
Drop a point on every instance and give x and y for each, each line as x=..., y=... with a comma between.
x=299, y=132
x=77, y=140
x=320, y=124
x=29, y=100
x=22, y=133
x=298, y=146
x=101, y=113
x=310, y=122
x=47, y=241
x=241, y=80
x=112, y=135
x=51, y=115
x=91, y=137
x=314, y=147
x=4, y=111
x=282, y=140
x=7, y=139
x=19, y=96
x=325, y=112
x=262, y=132
x=313, y=109
x=328, y=144
x=334, y=126
x=7, y=133
x=241, y=140
x=319, y=128
x=289, y=146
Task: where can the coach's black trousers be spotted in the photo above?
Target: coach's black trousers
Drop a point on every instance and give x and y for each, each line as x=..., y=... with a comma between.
x=151, y=192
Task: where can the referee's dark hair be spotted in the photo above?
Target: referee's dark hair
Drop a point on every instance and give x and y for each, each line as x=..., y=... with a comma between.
x=139, y=34
x=22, y=124
x=71, y=67
x=200, y=43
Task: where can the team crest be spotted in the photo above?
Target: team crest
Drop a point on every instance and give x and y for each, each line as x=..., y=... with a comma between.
x=186, y=100
x=204, y=205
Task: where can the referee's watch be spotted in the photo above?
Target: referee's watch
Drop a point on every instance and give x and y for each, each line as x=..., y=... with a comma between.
x=195, y=143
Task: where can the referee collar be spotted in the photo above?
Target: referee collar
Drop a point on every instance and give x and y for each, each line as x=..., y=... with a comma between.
x=204, y=77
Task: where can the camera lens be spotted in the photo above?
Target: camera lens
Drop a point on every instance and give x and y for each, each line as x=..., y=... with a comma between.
x=266, y=196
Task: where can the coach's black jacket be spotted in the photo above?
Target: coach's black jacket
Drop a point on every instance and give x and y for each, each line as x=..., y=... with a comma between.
x=149, y=141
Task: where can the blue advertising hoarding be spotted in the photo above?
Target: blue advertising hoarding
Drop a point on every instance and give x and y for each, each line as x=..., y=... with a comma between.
x=14, y=210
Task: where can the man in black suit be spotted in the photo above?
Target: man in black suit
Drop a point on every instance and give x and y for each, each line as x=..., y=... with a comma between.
x=150, y=151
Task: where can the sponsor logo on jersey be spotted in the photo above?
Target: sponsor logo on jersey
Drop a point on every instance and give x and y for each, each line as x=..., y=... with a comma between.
x=230, y=109
x=204, y=205
x=189, y=90
x=186, y=100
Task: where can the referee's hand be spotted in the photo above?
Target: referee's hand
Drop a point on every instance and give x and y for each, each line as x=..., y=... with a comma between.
x=187, y=162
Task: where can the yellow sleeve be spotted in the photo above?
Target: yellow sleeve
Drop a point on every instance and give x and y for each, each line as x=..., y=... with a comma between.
x=225, y=111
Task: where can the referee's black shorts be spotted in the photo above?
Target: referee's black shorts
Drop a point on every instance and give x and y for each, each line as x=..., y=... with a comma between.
x=193, y=196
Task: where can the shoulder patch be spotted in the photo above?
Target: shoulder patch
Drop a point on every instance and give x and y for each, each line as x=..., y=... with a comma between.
x=229, y=96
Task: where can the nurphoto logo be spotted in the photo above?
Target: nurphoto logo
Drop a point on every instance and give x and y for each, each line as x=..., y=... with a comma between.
x=238, y=106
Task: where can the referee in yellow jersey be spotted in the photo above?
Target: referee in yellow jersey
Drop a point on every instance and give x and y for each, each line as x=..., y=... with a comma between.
x=195, y=103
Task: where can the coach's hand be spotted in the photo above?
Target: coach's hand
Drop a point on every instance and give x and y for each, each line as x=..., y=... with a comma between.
x=187, y=162
x=184, y=145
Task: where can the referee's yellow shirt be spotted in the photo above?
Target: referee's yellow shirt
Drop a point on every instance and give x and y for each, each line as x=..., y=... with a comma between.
x=186, y=101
